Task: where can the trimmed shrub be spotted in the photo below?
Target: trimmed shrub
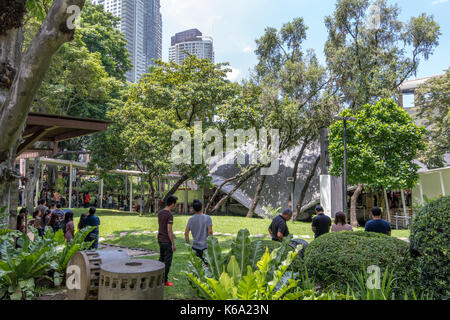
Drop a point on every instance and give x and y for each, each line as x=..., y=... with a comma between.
x=430, y=244
x=333, y=258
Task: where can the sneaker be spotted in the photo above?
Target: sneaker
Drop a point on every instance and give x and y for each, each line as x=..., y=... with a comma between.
x=168, y=284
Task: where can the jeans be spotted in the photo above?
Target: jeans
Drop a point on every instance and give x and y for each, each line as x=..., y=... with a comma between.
x=91, y=237
x=199, y=254
x=165, y=256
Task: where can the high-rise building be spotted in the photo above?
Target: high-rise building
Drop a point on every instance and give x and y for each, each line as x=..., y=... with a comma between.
x=141, y=23
x=190, y=42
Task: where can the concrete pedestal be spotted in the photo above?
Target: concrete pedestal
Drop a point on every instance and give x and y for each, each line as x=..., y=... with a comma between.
x=331, y=194
x=132, y=280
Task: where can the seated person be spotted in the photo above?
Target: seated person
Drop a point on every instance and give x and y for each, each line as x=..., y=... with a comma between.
x=377, y=224
x=340, y=223
x=321, y=223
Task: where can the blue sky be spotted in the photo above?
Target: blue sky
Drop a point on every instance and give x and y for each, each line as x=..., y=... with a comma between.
x=235, y=24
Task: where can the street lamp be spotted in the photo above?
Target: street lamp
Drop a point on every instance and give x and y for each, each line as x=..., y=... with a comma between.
x=344, y=175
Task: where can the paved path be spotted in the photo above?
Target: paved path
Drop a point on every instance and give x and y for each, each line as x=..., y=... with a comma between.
x=132, y=252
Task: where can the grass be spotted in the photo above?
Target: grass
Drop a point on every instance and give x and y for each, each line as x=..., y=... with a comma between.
x=115, y=222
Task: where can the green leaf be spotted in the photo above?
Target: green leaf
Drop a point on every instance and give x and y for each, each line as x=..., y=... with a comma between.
x=234, y=270
x=247, y=287
x=214, y=257
x=240, y=249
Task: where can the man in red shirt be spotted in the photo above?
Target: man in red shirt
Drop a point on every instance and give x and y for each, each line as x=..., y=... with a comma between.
x=166, y=238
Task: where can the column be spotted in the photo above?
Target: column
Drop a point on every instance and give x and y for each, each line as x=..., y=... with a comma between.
x=405, y=212
x=70, y=185
x=101, y=193
x=421, y=192
x=186, y=200
x=387, y=205
x=442, y=183
x=131, y=193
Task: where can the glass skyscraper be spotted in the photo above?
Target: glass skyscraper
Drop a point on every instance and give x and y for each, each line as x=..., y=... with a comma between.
x=141, y=23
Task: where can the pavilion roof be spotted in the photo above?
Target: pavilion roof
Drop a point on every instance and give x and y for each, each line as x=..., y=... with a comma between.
x=55, y=128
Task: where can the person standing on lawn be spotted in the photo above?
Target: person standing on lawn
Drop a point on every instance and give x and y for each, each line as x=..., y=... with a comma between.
x=321, y=223
x=93, y=221
x=278, y=228
x=166, y=238
x=377, y=224
x=200, y=225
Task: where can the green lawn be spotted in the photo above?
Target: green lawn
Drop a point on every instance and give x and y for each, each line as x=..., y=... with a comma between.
x=115, y=222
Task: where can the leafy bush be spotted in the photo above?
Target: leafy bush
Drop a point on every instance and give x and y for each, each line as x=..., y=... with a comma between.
x=429, y=244
x=257, y=270
x=246, y=284
x=41, y=258
x=20, y=267
x=242, y=258
x=333, y=258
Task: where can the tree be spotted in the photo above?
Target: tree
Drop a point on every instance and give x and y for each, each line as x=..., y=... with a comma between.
x=433, y=99
x=296, y=92
x=100, y=33
x=169, y=97
x=372, y=53
x=22, y=74
x=382, y=144
x=88, y=73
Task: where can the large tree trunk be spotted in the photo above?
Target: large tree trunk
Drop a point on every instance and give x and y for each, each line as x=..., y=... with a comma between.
x=151, y=196
x=299, y=157
x=30, y=186
x=247, y=176
x=20, y=78
x=257, y=196
x=175, y=188
x=238, y=176
x=353, y=220
x=306, y=186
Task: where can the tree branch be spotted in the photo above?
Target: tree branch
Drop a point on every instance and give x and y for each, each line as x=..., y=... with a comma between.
x=35, y=62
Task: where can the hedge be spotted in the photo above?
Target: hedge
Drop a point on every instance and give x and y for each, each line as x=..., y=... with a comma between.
x=333, y=258
x=430, y=244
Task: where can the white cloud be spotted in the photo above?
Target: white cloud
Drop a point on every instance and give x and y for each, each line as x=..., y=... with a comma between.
x=439, y=2
x=234, y=75
x=247, y=49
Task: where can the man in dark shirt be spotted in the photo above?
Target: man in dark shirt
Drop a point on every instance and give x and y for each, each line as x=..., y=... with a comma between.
x=321, y=223
x=278, y=228
x=94, y=221
x=166, y=238
x=377, y=224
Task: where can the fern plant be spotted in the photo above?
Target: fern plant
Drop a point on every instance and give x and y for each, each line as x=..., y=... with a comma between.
x=40, y=258
x=19, y=268
x=237, y=284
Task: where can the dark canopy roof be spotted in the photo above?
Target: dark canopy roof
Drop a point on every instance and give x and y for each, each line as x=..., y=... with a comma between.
x=55, y=128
